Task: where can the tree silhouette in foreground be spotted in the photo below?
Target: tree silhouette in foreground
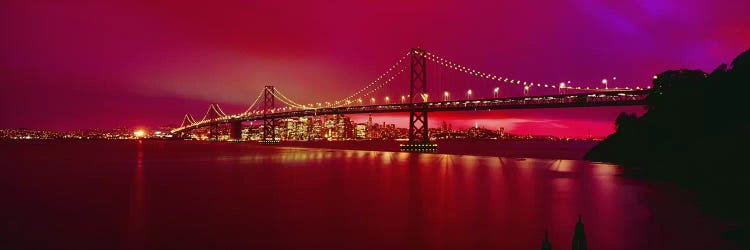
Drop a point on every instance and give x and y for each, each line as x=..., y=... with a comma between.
x=579, y=237
x=695, y=132
x=546, y=245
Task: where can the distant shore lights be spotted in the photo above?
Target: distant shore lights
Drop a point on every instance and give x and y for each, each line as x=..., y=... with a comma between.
x=562, y=88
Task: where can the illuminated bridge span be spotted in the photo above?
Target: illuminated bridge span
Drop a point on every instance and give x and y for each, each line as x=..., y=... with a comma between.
x=383, y=96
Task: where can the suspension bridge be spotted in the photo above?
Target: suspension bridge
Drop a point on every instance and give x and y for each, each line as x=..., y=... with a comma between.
x=386, y=95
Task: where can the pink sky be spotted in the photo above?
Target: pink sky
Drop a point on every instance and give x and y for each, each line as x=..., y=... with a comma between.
x=80, y=64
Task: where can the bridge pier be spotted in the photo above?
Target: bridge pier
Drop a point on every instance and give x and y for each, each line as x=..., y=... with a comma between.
x=235, y=134
x=419, y=133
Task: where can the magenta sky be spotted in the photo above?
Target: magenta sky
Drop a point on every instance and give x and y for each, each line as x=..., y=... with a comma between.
x=73, y=64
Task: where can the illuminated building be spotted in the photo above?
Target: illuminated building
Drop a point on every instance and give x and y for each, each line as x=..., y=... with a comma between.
x=302, y=129
x=361, y=131
x=316, y=129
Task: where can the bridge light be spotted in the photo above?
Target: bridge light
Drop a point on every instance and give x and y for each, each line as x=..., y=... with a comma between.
x=403, y=99
x=387, y=100
x=468, y=94
x=604, y=81
x=655, y=77
x=496, y=92
x=446, y=95
x=424, y=97
x=562, y=87
x=526, y=90
x=372, y=100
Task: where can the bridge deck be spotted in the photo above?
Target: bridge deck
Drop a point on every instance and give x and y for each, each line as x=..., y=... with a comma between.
x=612, y=98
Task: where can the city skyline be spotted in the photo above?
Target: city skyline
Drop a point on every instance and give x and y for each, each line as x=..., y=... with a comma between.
x=387, y=124
x=344, y=127
x=138, y=66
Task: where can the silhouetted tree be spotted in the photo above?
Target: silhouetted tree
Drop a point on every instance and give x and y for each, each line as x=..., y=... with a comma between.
x=546, y=245
x=579, y=236
x=695, y=132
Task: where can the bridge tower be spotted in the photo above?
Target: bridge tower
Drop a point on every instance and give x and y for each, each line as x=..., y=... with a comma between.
x=419, y=138
x=269, y=123
x=213, y=113
x=187, y=120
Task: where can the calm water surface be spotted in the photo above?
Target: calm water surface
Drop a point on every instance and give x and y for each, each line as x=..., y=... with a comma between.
x=194, y=195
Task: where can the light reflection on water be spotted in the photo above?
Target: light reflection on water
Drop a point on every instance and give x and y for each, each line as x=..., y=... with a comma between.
x=136, y=216
x=192, y=195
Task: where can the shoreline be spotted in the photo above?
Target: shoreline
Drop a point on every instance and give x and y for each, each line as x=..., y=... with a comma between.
x=539, y=149
x=568, y=150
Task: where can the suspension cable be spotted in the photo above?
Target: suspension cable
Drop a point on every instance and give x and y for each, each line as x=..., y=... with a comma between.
x=254, y=102
x=458, y=67
x=289, y=103
x=282, y=96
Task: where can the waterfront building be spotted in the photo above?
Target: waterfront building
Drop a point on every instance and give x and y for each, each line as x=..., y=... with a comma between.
x=361, y=131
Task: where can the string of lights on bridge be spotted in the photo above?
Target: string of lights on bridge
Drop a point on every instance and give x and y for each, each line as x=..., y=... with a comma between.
x=379, y=83
x=357, y=96
x=250, y=109
x=380, y=77
x=188, y=119
x=563, y=85
x=216, y=109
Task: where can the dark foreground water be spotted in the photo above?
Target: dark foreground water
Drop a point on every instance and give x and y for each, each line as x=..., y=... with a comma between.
x=194, y=195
